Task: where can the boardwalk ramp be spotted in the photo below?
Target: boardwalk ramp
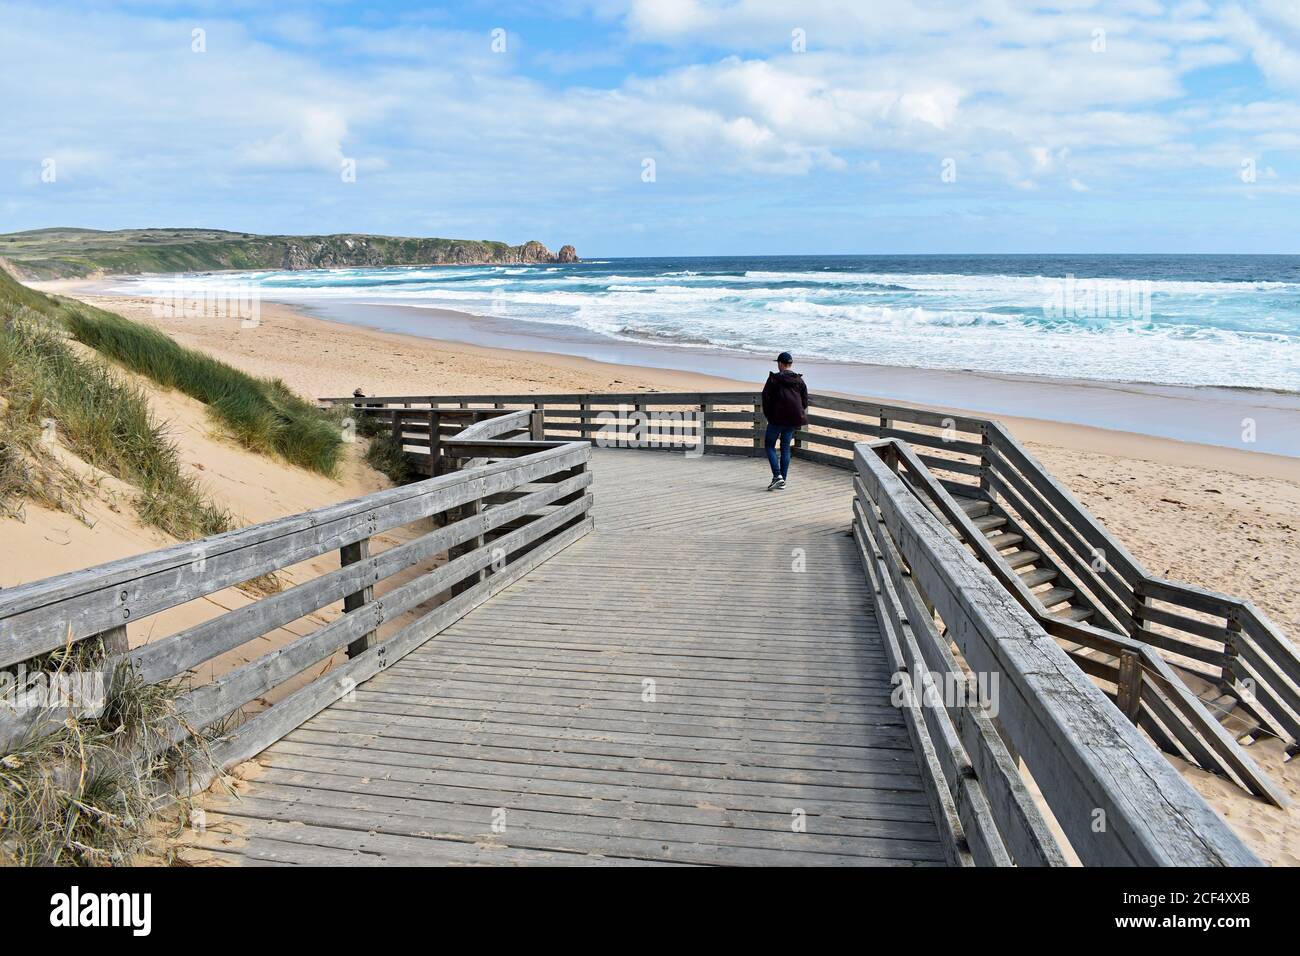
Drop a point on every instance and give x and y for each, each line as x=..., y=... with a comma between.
x=699, y=680
x=545, y=652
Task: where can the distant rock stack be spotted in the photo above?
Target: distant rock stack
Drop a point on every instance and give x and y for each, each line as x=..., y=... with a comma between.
x=534, y=251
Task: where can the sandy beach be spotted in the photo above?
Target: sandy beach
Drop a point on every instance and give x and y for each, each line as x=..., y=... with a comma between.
x=1213, y=516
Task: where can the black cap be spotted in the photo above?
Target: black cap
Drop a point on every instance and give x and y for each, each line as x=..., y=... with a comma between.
x=785, y=358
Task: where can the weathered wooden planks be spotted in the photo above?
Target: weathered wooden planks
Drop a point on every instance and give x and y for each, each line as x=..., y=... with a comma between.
x=767, y=736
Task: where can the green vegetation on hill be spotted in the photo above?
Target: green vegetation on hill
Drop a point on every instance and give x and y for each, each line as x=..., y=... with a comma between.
x=60, y=253
x=106, y=420
x=264, y=415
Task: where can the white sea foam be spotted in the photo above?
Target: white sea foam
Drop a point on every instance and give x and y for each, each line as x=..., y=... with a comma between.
x=1190, y=331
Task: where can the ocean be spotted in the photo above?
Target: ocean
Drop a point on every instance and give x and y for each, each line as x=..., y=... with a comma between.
x=1169, y=320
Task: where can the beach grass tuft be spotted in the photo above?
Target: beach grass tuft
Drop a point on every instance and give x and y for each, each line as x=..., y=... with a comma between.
x=87, y=793
x=385, y=453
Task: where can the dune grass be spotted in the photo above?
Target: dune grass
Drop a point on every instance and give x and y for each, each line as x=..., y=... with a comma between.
x=100, y=417
x=28, y=469
x=385, y=453
x=264, y=415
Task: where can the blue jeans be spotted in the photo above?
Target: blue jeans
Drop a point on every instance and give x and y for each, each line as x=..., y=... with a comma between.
x=787, y=441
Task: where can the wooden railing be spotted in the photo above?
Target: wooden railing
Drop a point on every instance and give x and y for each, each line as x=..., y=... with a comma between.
x=513, y=505
x=1116, y=801
x=1223, y=641
x=1140, y=682
x=986, y=814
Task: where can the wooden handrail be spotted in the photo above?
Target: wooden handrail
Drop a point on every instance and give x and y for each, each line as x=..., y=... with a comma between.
x=1205, y=741
x=490, y=542
x=1116, y=799
x=984, y=810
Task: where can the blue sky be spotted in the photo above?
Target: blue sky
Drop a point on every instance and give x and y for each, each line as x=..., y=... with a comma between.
x=773, y=128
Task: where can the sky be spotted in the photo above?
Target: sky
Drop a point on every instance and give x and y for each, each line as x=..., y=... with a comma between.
x=665, y=127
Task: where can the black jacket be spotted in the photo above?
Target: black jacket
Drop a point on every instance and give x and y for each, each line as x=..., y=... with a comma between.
x=785, y=399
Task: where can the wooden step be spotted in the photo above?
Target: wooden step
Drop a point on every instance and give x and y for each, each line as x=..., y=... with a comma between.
x=1036, y=576
x=1239, y=722
x=1074, y=614
x=973, y=507
x=1054, y=596
x=989, y=522
x=1005, y=540
x=1018, y=559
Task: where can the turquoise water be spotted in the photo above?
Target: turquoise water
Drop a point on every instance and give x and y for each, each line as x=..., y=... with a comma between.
x=1178, y=320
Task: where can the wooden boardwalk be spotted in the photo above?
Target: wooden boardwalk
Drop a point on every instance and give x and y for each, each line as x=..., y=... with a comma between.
x=699, y=681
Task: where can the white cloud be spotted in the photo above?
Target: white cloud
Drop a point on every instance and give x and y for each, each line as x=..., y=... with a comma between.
x=669, y=18
x=315, y=139
x=436, y=120
x=1271, y=44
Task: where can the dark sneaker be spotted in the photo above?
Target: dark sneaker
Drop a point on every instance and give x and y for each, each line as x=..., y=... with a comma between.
x=776, y=483
x=779, y=484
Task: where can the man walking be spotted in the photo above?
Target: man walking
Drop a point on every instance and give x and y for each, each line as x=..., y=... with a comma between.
x=785, y=406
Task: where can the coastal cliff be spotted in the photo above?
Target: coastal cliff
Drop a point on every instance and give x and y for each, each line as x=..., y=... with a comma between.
x=75, y=253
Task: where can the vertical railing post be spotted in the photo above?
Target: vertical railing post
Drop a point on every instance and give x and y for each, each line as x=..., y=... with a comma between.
x=537, y=425
x=115, y=646
x=757, y=451
x=702, y=426
x=1128, y=696
x=468, y=510
x=644, y=422
x=889, y=455
x=986, y=466
x=114, y=640
x=351, y=554
x=397, y=424
x=435, y=441
x=1138, y=611
x=1231, y=637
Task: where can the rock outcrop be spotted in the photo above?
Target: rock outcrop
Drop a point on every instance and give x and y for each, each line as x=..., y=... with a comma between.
x=534, y=251
x=333, y=252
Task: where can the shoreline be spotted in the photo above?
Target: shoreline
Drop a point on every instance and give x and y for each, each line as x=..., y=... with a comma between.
x=1251, y=421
